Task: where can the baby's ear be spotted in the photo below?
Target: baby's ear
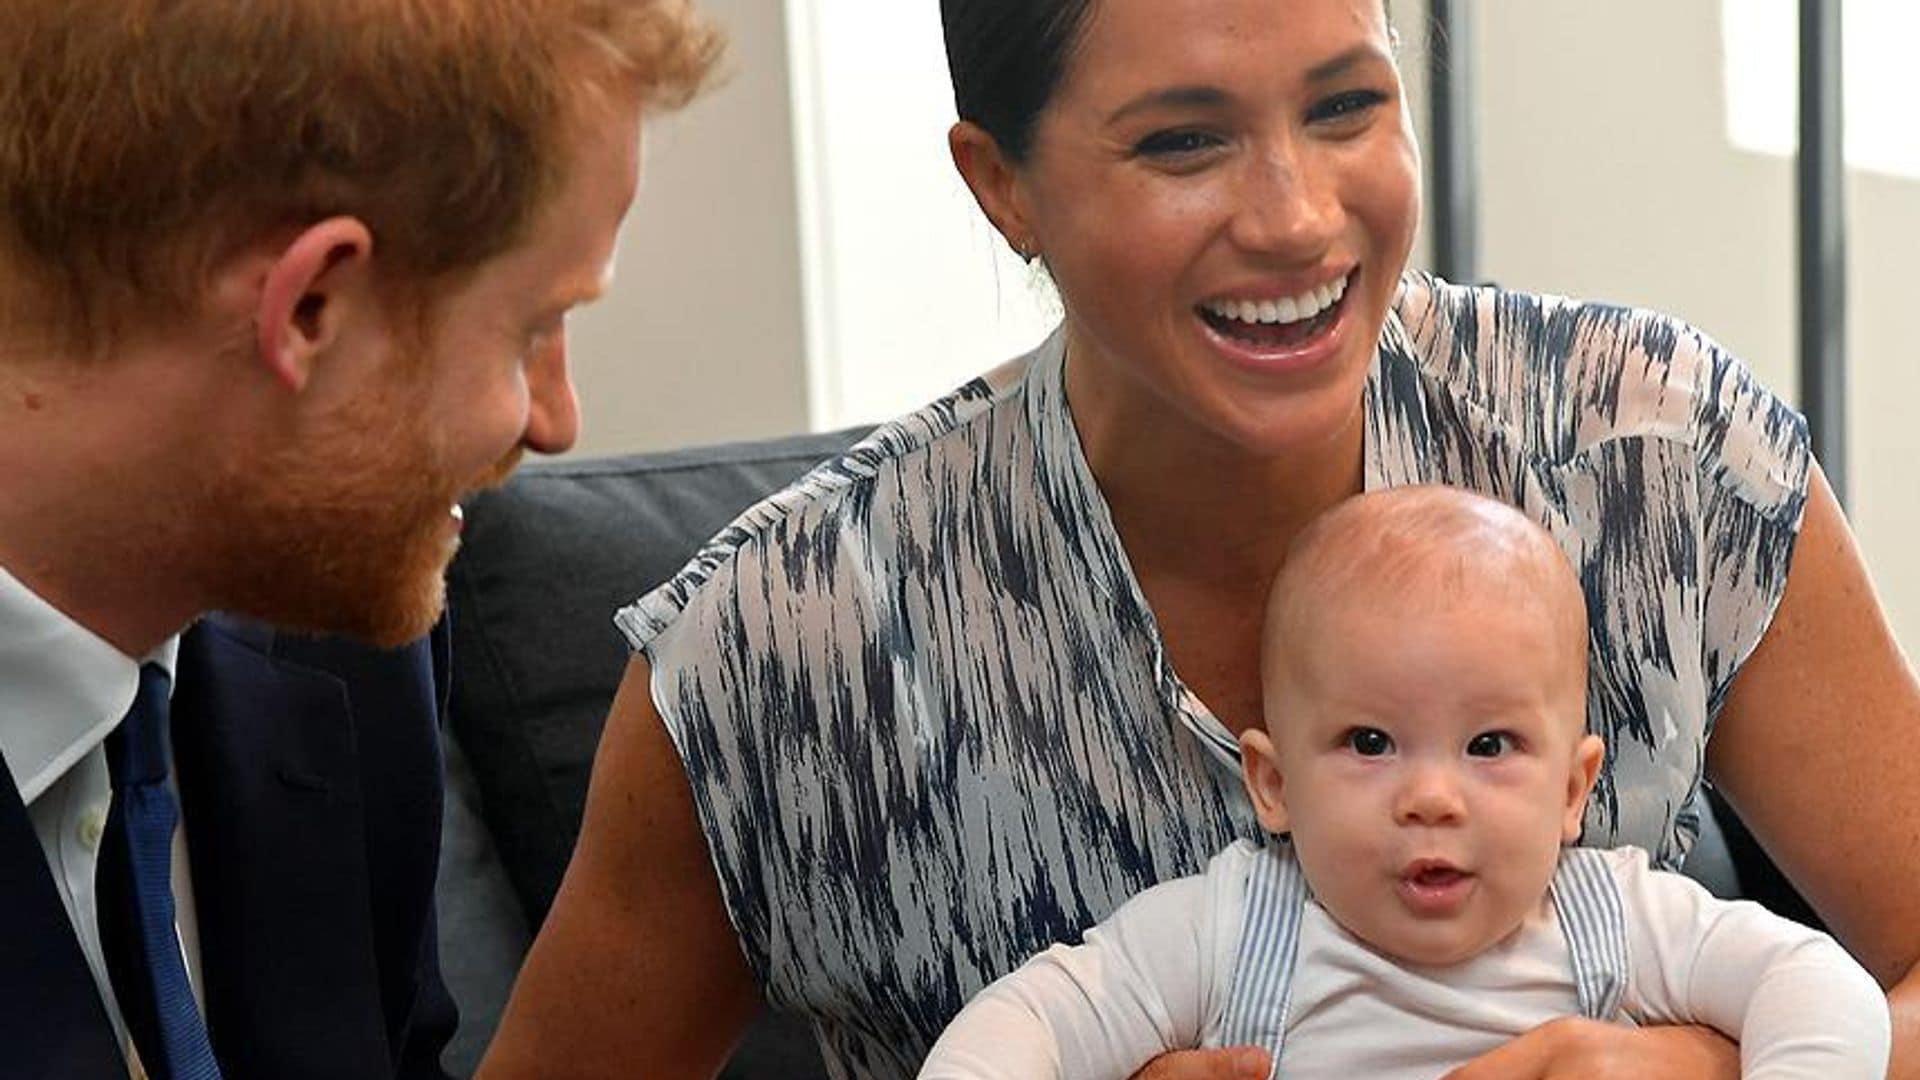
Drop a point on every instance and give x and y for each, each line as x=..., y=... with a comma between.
x=1260, y=771
x=1588, y=753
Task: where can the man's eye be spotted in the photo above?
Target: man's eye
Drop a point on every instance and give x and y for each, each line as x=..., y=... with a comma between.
x=1490, y=744
x=1369, y=742
x=1184, y=142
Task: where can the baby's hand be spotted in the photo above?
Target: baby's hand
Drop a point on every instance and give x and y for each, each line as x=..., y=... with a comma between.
x=1228, y=1063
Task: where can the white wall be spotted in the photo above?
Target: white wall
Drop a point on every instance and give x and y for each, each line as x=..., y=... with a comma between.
x=1614, y=178
x=702, y=337
x=910, y=292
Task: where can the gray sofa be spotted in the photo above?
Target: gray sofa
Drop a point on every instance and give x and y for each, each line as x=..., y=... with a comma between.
x=545, y=561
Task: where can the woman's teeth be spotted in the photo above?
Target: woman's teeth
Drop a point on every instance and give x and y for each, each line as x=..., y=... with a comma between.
x=1290, y=309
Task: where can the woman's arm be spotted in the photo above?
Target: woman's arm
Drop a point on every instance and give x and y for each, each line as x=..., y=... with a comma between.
x=637, y=966
x=1813, y=749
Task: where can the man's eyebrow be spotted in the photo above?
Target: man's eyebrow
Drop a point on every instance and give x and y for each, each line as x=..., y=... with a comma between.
x=1174, y=97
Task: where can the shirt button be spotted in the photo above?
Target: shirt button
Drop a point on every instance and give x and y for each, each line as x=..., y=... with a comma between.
x=93, y=825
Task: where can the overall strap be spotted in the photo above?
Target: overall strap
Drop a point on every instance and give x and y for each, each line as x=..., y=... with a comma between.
x=1262, y=986
x=1592, y=916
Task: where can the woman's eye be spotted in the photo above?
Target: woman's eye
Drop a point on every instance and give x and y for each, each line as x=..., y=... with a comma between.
x=1369, y=742
x=1345, y=107
x=1175, y=144
x=1489, y=744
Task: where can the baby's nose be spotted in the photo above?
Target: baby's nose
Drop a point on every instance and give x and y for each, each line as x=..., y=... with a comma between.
x=1430, y=796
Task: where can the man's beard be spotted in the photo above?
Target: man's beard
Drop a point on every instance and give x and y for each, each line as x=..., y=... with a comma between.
x=348, y=531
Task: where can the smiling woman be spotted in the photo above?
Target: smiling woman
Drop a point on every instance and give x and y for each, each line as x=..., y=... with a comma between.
x=959, y=693
x=1259, y=165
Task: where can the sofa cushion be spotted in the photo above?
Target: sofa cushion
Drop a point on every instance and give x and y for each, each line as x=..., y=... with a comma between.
x=544, y=563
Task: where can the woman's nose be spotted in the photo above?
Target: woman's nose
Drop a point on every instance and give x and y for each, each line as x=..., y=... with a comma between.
x=1289, y=206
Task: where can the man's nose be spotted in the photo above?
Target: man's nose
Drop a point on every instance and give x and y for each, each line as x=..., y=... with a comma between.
x=553, y=409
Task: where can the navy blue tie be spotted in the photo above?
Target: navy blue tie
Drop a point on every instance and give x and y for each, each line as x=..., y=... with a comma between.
x=135, y=895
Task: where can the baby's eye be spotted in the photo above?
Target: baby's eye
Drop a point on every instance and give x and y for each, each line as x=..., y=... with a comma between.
x=1369, y=742
x=1490, y=744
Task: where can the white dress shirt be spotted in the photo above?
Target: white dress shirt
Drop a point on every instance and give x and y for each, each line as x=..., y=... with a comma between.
x=63, y=690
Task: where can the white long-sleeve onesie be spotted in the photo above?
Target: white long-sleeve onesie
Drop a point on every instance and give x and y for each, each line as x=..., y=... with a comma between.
x=1155, y=977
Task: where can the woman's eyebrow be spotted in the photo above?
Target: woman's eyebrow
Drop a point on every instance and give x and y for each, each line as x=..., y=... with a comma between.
x=1175, y=97
x=1332, y=69
x=1210, y=97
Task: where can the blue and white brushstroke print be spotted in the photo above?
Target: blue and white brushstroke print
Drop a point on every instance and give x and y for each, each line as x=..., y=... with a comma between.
x=928, y=721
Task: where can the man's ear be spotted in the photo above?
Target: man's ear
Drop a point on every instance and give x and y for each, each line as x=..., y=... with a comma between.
x=995, y=184
x=1587, y=756
x=1260, y=771
x=316, y=284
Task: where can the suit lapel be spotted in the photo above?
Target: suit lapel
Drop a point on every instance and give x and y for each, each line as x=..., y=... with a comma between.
x=55, y=1023
x=270, y=794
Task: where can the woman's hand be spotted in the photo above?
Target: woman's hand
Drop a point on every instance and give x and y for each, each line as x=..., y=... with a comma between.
x=1227, y=1063
x=1591, y=1050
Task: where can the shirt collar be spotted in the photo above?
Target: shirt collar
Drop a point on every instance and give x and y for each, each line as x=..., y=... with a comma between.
x=62, y=687
x=1073, y=497
x=1399, y=435
x=1398, y=445
x=1076, y=505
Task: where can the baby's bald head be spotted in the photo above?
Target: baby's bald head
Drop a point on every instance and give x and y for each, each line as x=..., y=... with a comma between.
x=1415, y=550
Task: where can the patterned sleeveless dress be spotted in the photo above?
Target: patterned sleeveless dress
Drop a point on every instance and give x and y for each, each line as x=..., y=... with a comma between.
x=929, y=723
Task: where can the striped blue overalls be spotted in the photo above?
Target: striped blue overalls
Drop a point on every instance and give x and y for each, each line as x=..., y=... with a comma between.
x=1585, y=896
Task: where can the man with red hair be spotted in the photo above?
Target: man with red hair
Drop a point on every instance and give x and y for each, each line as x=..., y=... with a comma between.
x=280, y=283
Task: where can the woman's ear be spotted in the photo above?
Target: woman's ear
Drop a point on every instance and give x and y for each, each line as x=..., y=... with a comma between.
x=1587, y=756
x=995, y=184
x=315, y=285
x=1260, y=771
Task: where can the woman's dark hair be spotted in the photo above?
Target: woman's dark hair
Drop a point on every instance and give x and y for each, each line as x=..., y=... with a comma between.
x=1006, y=58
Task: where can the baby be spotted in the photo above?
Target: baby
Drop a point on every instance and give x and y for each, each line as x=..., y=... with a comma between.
x=1425, y=672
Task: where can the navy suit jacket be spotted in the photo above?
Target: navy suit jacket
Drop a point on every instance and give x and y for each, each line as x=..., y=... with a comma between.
x=310, y=785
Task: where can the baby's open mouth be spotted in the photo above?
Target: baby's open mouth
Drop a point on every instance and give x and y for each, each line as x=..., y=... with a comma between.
x=1436, y=877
